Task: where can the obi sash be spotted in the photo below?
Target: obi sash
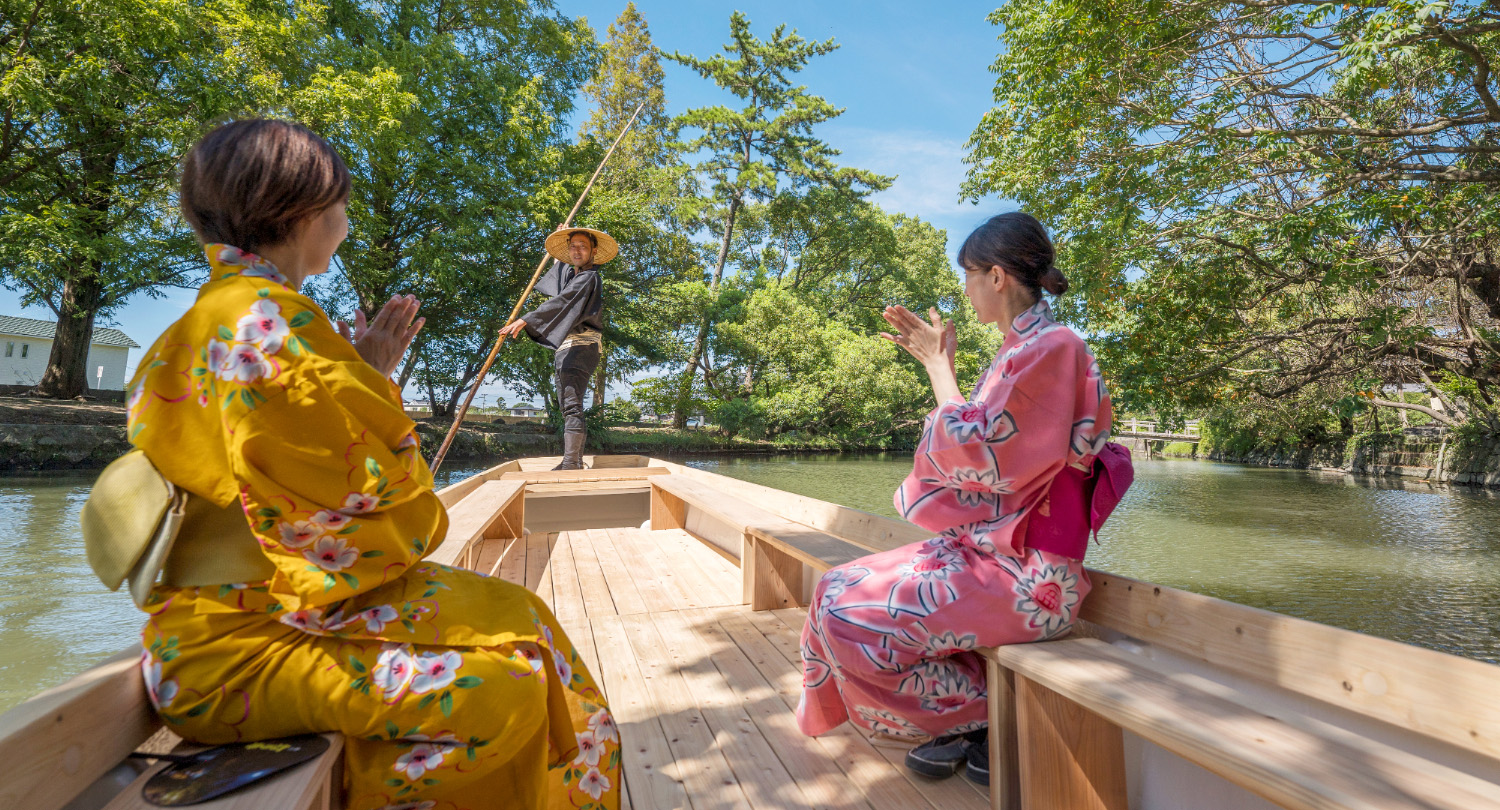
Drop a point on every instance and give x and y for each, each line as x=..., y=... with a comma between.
x=1078, y=502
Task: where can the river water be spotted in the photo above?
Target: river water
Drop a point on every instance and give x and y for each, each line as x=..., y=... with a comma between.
x=1415, y=564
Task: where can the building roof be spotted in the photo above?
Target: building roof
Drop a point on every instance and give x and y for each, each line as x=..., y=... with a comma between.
x=46, y=330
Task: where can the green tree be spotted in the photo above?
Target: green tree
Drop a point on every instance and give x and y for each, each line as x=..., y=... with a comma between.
x=643, y=199
x=1260, y=198
x=763, y=148
x=460, y=159
x=97, y=102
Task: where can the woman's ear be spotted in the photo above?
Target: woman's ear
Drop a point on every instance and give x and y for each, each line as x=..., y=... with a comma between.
x=999, y=277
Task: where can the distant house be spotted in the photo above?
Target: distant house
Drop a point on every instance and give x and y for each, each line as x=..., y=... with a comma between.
x=524, y=409
x=26, y=345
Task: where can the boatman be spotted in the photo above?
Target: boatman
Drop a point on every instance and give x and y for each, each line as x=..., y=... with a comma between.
x=570, y=323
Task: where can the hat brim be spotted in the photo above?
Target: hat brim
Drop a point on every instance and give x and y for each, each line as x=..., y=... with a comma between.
x=557, y=245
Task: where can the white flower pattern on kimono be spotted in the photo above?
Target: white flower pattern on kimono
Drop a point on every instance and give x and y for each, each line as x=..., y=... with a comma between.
x=563, y=666
x=308, y=620
x=1048, y=596
x=1086, y=440
x=246, y=363
x=376, y=618
x=394, y=671
x=299, y=534
x=967, y=421
x=358, y=503
x=161, y=692
x=949, y=643
x=887, y=723
x=594, y=783
x=420, y=759
x=602, y=724
x=332, y=553
x=435, y=670
x=589, y=749
x=330, y=519
x=950, y=693
x=973, y=487
x=836, y=580
x=263, y=326
x=932, y=566
x=249, y=264
x=1003, y=428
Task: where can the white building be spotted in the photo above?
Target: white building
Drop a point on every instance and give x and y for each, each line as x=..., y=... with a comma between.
x=26, y=345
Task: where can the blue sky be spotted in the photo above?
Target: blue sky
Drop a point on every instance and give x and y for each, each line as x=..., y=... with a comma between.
x=913, y=79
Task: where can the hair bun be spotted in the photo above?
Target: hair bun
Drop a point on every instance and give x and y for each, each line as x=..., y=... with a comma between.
x=1053, y=281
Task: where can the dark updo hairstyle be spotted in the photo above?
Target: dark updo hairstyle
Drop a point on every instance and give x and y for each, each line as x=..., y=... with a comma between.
x=1018, y=244
x=249, y=183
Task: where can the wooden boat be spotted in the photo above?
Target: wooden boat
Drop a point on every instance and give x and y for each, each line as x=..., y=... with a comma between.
x=1160, y=699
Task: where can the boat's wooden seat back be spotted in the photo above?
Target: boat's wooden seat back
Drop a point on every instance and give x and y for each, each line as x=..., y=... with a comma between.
x=493, y=510
x=1298, y=713
x=68, y=747
x=774, y=552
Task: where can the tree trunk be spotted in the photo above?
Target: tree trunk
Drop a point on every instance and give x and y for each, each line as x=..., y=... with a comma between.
x=685, y=389
x=411, y=363
x=67, y=370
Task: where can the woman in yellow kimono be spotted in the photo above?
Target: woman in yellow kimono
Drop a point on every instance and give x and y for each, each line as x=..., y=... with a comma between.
x=456, y=691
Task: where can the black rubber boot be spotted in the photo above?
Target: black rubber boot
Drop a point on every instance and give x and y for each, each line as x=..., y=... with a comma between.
x=978, y=756
x=939, y=757
x=572, y=450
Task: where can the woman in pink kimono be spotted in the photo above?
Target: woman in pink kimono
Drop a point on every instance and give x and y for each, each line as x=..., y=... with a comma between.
x=890, y=637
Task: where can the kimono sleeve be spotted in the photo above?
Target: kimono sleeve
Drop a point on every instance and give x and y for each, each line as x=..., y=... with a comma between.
x=332, y=486
x=550, y=323
x=983, y=462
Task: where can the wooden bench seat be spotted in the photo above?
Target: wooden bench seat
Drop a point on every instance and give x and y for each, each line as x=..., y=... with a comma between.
x=494, y=510
x=1288, y=759
x=773, y=550
x=57, y=745
x=1301, y=714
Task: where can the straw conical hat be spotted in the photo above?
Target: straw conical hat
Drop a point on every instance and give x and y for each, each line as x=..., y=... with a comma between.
x=557, y=244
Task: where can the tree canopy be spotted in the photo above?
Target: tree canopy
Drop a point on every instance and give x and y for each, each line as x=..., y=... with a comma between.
x=1261, y=201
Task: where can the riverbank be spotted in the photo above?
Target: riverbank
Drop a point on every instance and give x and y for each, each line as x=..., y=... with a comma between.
x=42, y=436
x=1440, y=458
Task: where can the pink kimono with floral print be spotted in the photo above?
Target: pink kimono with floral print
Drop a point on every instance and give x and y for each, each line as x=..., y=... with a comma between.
x=890, y=637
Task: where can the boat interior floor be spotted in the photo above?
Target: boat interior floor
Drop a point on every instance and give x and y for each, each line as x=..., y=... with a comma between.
x=702, y=687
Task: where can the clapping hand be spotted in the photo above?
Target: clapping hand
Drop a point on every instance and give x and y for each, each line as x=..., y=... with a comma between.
x=931, y=343
x=384, y=340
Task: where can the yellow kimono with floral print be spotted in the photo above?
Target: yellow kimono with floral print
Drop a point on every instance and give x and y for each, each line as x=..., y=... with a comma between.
x=456, y=691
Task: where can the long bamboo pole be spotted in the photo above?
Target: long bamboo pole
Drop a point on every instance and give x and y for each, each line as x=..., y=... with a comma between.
x=458, y=418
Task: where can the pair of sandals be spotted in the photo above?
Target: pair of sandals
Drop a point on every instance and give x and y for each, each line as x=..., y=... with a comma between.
x=941, y=757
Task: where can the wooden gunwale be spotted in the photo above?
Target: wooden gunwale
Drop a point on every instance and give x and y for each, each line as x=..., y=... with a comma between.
x=704, y=688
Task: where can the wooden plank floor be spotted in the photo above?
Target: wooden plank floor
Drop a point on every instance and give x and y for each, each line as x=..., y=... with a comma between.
x=703, y=688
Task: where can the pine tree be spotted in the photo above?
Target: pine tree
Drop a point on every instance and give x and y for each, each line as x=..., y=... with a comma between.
x=639, y=199
x=754, y=150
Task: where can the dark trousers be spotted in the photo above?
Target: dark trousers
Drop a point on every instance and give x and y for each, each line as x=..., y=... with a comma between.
x=575, y=371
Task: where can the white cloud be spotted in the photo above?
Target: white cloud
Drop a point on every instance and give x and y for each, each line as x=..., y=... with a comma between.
x=929, y=172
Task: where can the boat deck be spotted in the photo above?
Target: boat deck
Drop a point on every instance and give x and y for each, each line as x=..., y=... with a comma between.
x=702, y=687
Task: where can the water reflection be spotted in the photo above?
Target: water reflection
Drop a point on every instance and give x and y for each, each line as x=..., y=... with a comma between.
x=55, y=617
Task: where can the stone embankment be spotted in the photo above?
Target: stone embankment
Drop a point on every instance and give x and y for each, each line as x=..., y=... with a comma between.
x=1428, y=456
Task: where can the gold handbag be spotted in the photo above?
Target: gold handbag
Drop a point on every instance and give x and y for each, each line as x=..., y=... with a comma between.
x=138, y=525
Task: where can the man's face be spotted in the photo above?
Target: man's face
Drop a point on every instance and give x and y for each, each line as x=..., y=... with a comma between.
x=580, y=250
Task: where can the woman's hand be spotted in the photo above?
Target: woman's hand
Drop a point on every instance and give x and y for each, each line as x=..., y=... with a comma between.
x=931, y=343
x=384, y=341
x=513, y=329
x=934, y=344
